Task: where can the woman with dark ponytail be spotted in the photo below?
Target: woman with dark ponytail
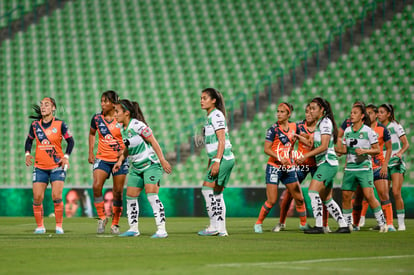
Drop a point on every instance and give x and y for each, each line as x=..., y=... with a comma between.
x=50, y=162
x=380, y=171
x=109, y=147
x=396, y=165
x=360, y=142
x=220, y=163
x=320, y=188
x=147, y=163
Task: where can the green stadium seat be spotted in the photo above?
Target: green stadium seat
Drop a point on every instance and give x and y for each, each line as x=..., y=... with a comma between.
x=143, y=48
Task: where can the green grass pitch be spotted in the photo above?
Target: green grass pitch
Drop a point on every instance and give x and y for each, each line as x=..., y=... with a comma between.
x=81, y=251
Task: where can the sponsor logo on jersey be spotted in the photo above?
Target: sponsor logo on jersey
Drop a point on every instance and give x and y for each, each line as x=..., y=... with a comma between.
x=108, y=137
x=104, y=130
x=283, y=138
x=353, y=142
x=45, y=142
x=220, y=123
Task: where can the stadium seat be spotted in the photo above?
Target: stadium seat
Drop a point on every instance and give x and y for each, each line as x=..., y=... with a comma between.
x=162, y=55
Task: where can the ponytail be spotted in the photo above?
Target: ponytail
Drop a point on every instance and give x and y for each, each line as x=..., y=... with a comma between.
x=214, y=94
x=38, y=112
x=327, y=113
x=38, y=115
x=138, y=112
x=366, y=119
x=390, y=110
x=133, y=108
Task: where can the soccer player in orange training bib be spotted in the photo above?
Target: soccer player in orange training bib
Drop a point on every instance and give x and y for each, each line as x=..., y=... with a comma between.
x=110, y=145
x=50, y=163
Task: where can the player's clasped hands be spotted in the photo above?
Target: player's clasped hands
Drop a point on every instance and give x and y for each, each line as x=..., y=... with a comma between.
x=360, y=151
x=300, y=160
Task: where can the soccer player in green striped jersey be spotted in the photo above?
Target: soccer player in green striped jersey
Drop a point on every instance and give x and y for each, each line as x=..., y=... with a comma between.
x=359, y=143
x=220, y=161
x=396, y=165
x=146, y=162
x=320, y=188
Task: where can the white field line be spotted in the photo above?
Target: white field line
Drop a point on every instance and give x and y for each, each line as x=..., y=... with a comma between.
x=267, y=264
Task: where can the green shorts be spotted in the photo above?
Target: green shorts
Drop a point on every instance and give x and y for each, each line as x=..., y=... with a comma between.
x=224, y=173
x=354, y=178
x=326, y=174
x=151, y=175
x=397, y=166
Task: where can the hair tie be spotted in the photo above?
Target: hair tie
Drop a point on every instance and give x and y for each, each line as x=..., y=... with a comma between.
x=287, y=106
x=51, y=100
x=389, y=107
x=125, y=107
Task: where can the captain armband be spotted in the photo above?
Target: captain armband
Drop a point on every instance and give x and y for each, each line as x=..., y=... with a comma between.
x=147, y=132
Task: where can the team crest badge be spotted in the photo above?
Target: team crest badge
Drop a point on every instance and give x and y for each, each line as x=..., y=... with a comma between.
x=54, y=130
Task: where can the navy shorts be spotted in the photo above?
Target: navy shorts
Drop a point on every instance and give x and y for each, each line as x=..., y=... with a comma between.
x=284, y=175
x=108, y=165
x=377, y=175
x=46, y=176
x=303, y=170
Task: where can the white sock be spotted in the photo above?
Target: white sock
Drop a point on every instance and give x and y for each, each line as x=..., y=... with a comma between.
x=379, y=215
x=348, y=218
x=159, y=212
x=316, y=208
x=336, y=213
x=132, y=213
x=211, y=203
x=400, y=218
x=221, y=213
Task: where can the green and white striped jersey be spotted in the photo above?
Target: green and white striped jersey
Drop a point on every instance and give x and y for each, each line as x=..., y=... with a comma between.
x=216, y=121
x=396, y=132
x=325, y=127
x=140, y=152
x=364, y=138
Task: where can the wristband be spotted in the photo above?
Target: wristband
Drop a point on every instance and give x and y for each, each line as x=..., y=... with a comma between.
x=27, y=154
x=216, y=160
x=66, y=156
